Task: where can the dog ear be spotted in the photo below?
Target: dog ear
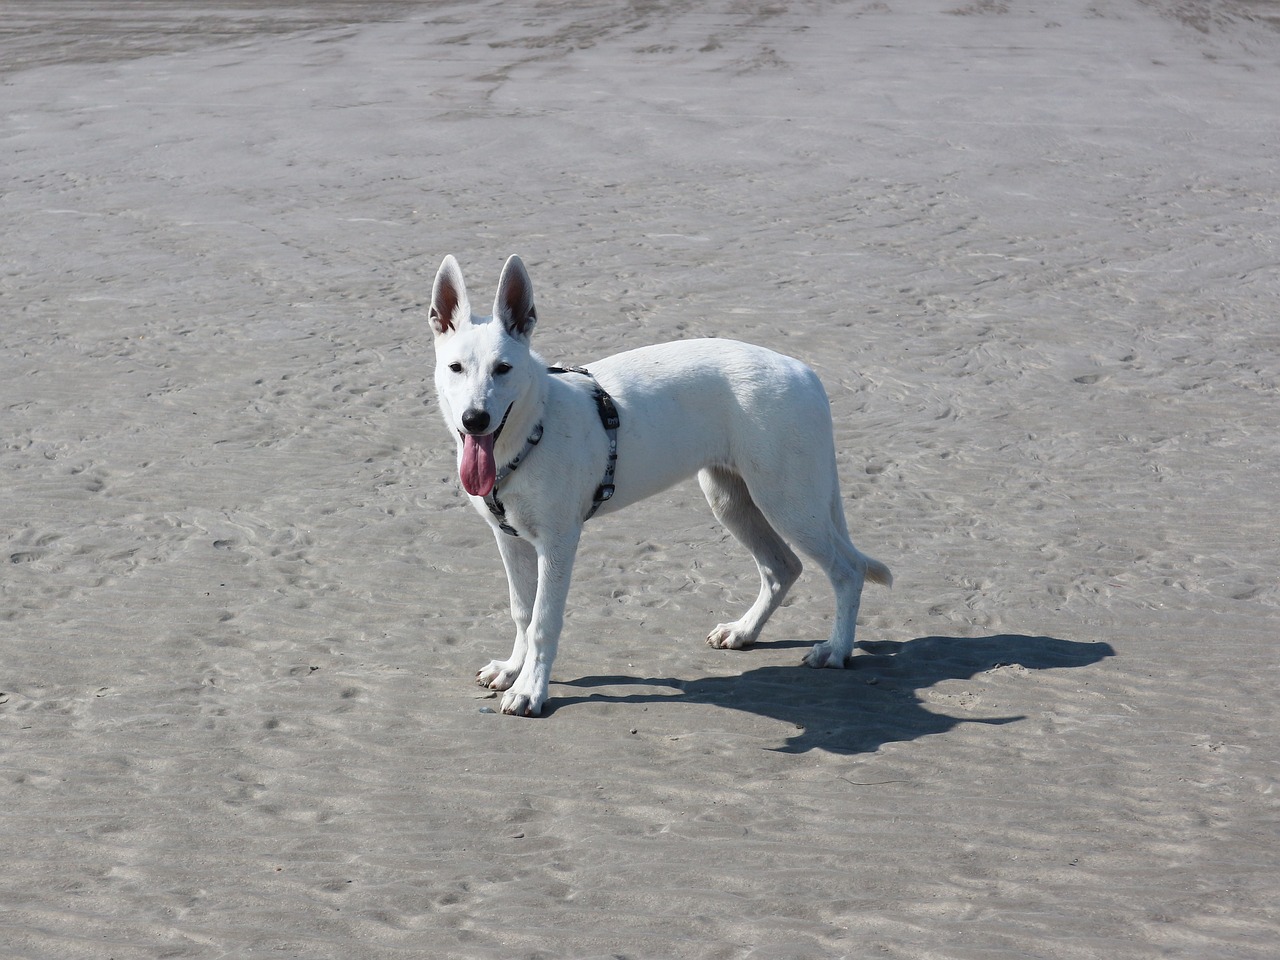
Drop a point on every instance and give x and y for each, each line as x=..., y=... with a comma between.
x=449, y=305
x=513, y=305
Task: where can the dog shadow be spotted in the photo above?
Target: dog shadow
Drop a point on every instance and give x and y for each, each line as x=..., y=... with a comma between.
x=857, y=710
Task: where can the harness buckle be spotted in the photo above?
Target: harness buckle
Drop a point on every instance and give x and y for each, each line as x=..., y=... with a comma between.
x=608, y=412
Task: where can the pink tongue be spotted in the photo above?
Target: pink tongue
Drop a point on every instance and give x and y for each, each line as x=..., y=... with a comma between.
x=477, y=471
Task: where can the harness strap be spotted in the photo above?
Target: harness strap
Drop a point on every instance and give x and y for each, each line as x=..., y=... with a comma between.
x=491, y=498
x=608, y=419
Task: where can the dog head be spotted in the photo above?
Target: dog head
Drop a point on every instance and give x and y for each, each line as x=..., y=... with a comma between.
x=484, y=367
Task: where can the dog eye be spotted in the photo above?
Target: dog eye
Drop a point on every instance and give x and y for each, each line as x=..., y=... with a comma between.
x=502, y=368
x=456, y=367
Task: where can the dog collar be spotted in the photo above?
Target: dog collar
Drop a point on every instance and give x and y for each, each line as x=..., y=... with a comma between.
x=608, y=419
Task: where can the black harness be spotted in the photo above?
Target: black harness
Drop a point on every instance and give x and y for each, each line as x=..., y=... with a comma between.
x=608, y=418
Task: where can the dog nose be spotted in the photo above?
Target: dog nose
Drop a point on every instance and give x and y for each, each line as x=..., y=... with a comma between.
x=475, y=421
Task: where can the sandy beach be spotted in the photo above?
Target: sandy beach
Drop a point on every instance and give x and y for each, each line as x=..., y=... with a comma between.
x=1033, y=249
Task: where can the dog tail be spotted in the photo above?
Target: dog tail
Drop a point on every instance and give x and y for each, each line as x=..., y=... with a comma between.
x=877, y=572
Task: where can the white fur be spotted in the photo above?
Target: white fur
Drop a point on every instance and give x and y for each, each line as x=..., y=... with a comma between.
x=753, y=425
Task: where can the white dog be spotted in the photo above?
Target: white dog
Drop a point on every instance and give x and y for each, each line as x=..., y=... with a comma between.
x=537, y=448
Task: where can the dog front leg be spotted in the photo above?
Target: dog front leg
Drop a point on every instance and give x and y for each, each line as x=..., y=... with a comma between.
x=555, y=569
x=520, y=560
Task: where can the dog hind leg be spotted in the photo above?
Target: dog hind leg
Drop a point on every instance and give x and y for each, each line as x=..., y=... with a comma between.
x=848, y=569
x=845, y=569
x=823, y=536
x=777, y=563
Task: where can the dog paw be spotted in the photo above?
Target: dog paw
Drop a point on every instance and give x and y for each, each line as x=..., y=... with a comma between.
x=517, y=704
x=823, y=656
x=497, y=675
x=727, y=636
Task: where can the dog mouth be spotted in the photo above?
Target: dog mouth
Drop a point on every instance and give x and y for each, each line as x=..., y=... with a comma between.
x=477, y=469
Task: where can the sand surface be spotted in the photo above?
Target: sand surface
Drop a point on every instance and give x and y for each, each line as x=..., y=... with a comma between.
x=1031, y=248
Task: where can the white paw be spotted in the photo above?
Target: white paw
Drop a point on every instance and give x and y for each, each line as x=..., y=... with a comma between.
x=518, y=704
x=497, y=675
x=727, y=636
x=823, y=656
